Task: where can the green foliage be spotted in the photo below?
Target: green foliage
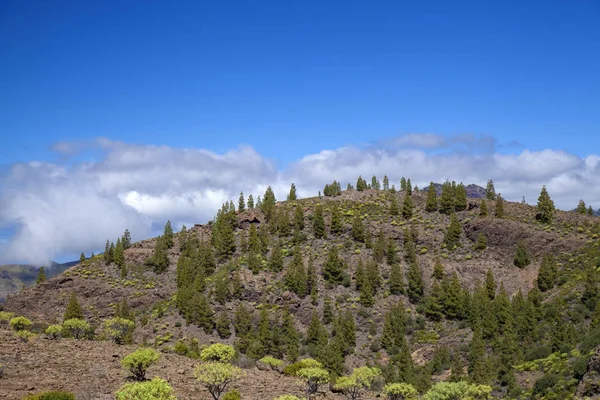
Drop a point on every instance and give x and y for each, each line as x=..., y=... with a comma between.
x=400, y=391
x=138, y=362
x=218, y=352
x=51, y=395
x=545, y=207
x=54, y=331
x=233, y=394
x=319, y=222
x=358, y=231
x=446, y=202
x=460, y=197
x=295, y=275
x=416, y=286
x=268, y=203
x=581, y=208
x=360, y=379
x=119, y=330
x=156, y=389
x=407, y=206
x=490, y=191
x=126, y=239
x=313, y=378
x=287, y=397
x=361, y=184
x=159, y=259
x=215, y=376
x=333, y=268
x=20, y=323
x=333, y=189
x=241, y=202
x=250, y=202
x=547, y=273
x=168, y=235
x=5, y=318
x=458, y=391
x=522, y=258
x=432, y=203
x=73, y=310
x=292, y=195
x=396, y=283
x=222, y=325
x=481, y=243
x=499, y=212
x=41, y=278
x=545, y=384
x=453, y=232
x=483, y=209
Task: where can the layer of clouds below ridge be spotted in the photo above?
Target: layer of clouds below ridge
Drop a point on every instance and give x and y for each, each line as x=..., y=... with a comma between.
x=65, y=210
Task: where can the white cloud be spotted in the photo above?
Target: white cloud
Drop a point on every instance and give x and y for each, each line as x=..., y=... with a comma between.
x=65, y=210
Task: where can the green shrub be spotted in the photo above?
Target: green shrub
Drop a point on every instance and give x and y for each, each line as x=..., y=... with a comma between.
x=545, y=382
x=5, y=318
x=119, y=330
x=54, y=331
x=20, y=323
x=24, y=335
x=156, y=389
x=139, y=361
x=537, y=353
x=52, y=395
x=233, y=394
x=76, y=327
x=287, y=397
x=293, y=369
x=271, y=361
x=218, y=352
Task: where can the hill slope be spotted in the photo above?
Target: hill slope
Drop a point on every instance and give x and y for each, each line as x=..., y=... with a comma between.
x=244, y=274
x=14, y=277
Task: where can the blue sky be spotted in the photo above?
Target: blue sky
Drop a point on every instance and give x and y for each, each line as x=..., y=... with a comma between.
x=123, y=114
x=291, y=78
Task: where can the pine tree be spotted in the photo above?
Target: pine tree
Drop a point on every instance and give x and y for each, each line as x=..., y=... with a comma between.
x=394, y=209
x=446, y=203
x=452, y=236
x=490, y=191
x=316, y=333
x=222, y=324
x=415, y=283
x=360, y=275
x=290, y=336
x=319, y=222
x=333, y=268
x=409, y=188
x=455, y=298
x=477, y=362
x=460, y=201
x=250, y=202
x=298, y=218
x=396, y=284
x=379, y=247
x=221, y=288
x=589, y=297
x=366, y=294
x=283, y=223
x=547, y=274
x=490, y=285
x=327, y=311
x=407, y=206
x=431, y=204
x=119, y=253
x=241, y=202
x=595, y=322
x=403, y=183
x=168, y=235
x=434, y=303
x=275, y=262
x=41, y=277
x=372, y=275
x=438, y=269
x=481, y=243
x=311, y=276
x=499, y=206
x=391, y=252
x=590, y=211
x=483, y=211
x=581, y=208
x=204, y=314
x=268, y=203
x=545, y=207
x=374, y=183
x=336, y=221
x=236, y=285
x=73, y=310
x=82, y=257
x=394, y=328
x=126, y=240
x=386, y=183
x=361, y=184
x=522, y=258
x=292, y=195
x=159, y=259
x=358, y=231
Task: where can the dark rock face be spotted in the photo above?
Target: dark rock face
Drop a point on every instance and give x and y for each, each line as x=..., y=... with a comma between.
x=589, y=387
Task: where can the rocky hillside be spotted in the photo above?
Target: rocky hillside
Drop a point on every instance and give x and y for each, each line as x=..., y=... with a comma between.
x=387, y=250
x=14, y=277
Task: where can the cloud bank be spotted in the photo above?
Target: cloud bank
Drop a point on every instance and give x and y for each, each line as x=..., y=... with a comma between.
x=65, y=209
